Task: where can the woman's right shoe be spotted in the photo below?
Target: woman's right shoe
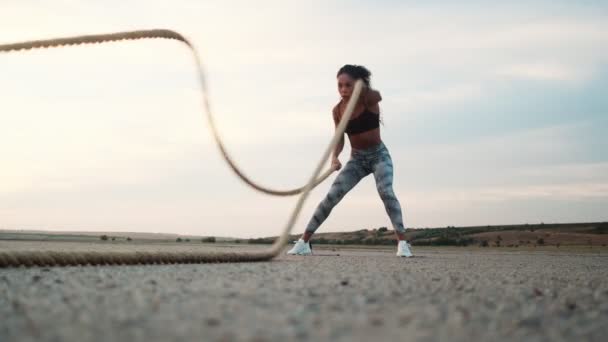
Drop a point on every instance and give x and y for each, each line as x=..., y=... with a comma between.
x=403, y=249
x=300, y=248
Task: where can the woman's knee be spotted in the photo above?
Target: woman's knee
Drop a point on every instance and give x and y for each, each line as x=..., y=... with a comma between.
x=335, y=195
x=387, y=193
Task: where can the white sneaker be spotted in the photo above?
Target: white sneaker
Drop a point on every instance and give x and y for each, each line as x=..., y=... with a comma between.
x=301, y=248
x=403, y=249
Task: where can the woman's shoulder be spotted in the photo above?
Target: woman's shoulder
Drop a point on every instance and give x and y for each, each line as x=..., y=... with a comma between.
x=336, y=109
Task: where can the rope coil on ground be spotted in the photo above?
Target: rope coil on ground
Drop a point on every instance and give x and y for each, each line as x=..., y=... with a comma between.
x=51, y=258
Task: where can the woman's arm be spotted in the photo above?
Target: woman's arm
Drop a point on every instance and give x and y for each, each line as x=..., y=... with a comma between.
x=372, y=97
x=338, y=148
x=335, y=162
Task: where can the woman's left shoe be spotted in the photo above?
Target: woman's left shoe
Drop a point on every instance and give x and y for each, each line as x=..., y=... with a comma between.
x=301, y=248
x=403, y=249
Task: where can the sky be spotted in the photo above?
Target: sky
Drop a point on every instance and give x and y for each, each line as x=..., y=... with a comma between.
x=494, y=113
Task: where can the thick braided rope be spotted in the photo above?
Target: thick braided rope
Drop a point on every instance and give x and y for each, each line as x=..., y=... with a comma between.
x=50, y=258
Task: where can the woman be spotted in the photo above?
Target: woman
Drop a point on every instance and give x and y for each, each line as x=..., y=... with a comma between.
x=369, y=155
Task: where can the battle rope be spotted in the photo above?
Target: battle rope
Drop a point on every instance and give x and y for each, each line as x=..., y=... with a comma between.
x=51, y=258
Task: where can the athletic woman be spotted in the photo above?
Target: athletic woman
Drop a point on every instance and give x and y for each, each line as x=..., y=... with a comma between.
x=368, y=155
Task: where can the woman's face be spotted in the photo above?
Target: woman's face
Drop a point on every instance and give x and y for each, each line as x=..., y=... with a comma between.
x=345, y=85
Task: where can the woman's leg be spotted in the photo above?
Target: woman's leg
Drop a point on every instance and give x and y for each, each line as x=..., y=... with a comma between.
x=383, y=174
x=350, y=175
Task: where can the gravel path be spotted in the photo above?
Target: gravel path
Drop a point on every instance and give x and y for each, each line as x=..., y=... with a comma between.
x=442, y=294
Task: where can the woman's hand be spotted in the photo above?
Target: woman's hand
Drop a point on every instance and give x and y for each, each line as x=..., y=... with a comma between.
x=372, y=97
x=335, y=164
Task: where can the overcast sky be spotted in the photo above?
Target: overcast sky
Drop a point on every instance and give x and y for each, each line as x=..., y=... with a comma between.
x=494, y=113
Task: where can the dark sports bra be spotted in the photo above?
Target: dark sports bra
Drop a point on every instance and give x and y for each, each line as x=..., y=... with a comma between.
x=366, y=121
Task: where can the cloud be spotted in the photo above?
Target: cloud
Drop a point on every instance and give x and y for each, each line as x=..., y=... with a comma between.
x=543, y=72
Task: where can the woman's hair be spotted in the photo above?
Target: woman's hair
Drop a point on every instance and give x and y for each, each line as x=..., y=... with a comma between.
x=357, y=72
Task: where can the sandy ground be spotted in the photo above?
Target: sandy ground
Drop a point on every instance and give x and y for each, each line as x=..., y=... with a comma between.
x=442, y=294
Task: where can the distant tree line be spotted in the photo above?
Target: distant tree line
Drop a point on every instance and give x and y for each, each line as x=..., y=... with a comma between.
x=601, y=228
x=113, y=238
x=448, y=236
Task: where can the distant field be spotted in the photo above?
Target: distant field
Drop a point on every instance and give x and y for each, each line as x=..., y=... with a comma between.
x=514, y=236
x=134, y=237
x=559, y=235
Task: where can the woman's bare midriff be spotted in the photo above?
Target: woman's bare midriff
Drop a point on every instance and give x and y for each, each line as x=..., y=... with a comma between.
x=365, y=140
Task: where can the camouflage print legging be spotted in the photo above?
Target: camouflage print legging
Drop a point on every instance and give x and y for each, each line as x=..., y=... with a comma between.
x=376, y=160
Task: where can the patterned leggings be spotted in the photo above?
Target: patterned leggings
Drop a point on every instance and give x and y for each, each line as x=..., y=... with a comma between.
x=376, y=160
